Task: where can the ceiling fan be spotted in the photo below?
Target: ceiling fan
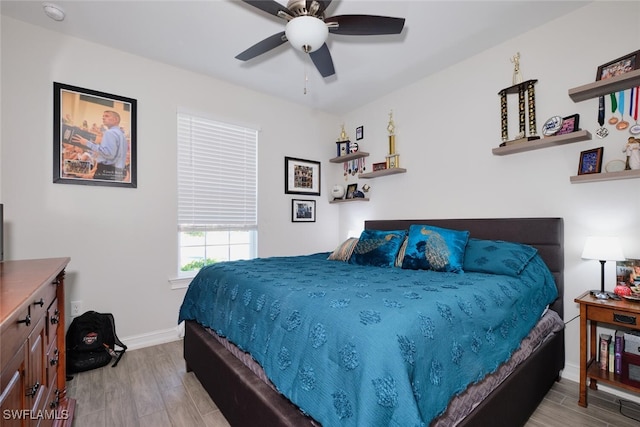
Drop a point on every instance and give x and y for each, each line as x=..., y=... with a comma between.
x=307, y=29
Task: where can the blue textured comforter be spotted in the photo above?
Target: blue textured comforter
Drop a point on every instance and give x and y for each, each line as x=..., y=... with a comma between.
x=368, y=346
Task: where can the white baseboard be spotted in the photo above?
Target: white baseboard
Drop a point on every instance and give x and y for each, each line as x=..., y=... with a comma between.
x=572, y=373
x=151, y=338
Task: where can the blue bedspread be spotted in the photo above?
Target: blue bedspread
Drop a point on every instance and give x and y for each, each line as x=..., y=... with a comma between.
x=368, y=346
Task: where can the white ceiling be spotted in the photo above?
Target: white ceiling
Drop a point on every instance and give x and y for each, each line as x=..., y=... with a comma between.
x=204, y=36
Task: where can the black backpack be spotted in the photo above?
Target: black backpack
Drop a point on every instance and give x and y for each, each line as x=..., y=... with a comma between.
x=91, y=340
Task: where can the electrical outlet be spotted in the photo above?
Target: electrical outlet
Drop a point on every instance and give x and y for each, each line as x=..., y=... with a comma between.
x=76, y=308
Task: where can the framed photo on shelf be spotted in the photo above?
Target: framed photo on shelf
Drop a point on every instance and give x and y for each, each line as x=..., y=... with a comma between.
x=351, y=189
x=619, y=66
x=301, y=176
x=569, y=124
x=590, y=161
x=359, y=133
x=87, y=127
x=379, y=166
x=303, y=210
x=628, y=272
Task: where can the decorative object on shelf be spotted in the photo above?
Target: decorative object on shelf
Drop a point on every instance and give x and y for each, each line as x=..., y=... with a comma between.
x=351, y=189
x=603, y=249
x=337, y=192
x=76, y=158
x=590, y=161
x=632, y=151
x=353, y=147
x=619, y=66
x=517, y=74
x=633, y=110
x=379, y=166
x=303, y=210
x=343, y=145
x=366, y=188
x=393, y=158
x=615, y=165
x=520, y=88
x=358, y=194
x=301, y=176
x=359, y=133
x=552, y=126
x=602, y=131
x=569, y=124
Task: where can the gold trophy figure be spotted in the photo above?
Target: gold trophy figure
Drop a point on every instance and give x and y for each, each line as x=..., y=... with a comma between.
x=393, y=159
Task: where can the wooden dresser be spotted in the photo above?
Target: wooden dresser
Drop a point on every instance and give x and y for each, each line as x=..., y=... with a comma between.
x=32, y=344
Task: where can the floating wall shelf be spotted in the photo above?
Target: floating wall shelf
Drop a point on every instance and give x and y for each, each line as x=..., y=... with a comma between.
x=549, y=141
x=605, y=87
x=605, y=176
x=383, y=172
x=349, y=157
x=355, y=199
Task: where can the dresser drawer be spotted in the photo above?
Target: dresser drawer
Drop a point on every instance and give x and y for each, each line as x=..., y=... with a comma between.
x=615, y=317
x=15, y=332
x=53, y=320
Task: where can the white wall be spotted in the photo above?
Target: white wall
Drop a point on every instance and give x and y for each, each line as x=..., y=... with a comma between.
x=123, y=242
x=447, y=125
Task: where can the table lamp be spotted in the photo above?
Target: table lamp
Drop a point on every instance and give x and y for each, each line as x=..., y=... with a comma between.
x=603, y=248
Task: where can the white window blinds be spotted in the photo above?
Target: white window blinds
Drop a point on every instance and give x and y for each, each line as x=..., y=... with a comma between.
x=217, y=175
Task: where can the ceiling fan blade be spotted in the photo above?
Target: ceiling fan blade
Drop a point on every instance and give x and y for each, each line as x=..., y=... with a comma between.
x=263, y=46
x=270, y=6
x=365, y=25
x=322, y=60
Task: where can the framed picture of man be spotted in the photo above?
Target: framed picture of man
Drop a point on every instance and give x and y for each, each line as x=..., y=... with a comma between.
x=94, y=137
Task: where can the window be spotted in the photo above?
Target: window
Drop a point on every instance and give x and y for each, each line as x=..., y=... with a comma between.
x=217, y=192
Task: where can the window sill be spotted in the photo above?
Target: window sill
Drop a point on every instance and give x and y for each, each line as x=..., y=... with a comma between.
x=182, y=282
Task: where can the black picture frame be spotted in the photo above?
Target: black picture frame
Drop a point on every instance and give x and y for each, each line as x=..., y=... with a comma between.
x=619, y=66
x=303, y=210
x=76, y=161
x=351, y=189
x=359, y=133
x=301, y=176
x=590, y=161
x=569, y=124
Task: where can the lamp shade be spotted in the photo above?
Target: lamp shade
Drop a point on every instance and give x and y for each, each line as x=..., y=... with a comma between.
x=306, y=33
x=603, y=248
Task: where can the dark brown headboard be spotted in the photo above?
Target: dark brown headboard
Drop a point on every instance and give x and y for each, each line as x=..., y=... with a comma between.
x=545, y=234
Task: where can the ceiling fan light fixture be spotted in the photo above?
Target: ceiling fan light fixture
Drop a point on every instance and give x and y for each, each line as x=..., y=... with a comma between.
x=53, y=11
x=306, y=33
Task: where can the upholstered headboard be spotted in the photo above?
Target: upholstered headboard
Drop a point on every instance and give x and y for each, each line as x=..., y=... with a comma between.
x=545, y=234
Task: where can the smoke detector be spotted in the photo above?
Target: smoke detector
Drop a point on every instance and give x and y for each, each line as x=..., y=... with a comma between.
x=53, y=11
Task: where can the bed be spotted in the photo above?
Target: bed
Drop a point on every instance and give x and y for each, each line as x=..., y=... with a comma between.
x=245, y=398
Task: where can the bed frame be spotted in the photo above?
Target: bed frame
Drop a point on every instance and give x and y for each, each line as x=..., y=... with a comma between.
x=246, y=400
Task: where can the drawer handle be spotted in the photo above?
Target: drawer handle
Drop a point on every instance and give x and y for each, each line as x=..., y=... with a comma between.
x=54, y=360
x=621, y=318
x=31, y=391
x=26, y=320
x=56, y=317
x=40, y=303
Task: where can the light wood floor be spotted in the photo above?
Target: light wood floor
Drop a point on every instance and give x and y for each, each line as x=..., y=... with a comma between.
x=150, y=387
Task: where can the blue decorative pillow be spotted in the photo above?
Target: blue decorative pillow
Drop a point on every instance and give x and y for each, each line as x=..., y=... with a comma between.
x=435, y=248
x=377, y=248
x=497, y=257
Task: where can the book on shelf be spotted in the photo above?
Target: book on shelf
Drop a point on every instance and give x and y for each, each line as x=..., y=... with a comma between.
x=611, y=355
x=617, y=352
x=605, y=340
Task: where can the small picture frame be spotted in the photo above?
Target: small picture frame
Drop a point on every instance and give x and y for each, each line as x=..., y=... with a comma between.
x=301, y=176
x=569, y=124
x=590, y=161
x=351, y=189
x=303, y=210
x=359, y=133
x=379, y=166
x=619, y=66
x=628, y=272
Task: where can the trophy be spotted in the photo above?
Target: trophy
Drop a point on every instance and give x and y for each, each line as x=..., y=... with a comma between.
x=393, y=158
x=521, y=88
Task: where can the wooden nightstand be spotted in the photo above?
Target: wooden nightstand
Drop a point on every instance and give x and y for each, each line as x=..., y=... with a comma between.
x=622, y=314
